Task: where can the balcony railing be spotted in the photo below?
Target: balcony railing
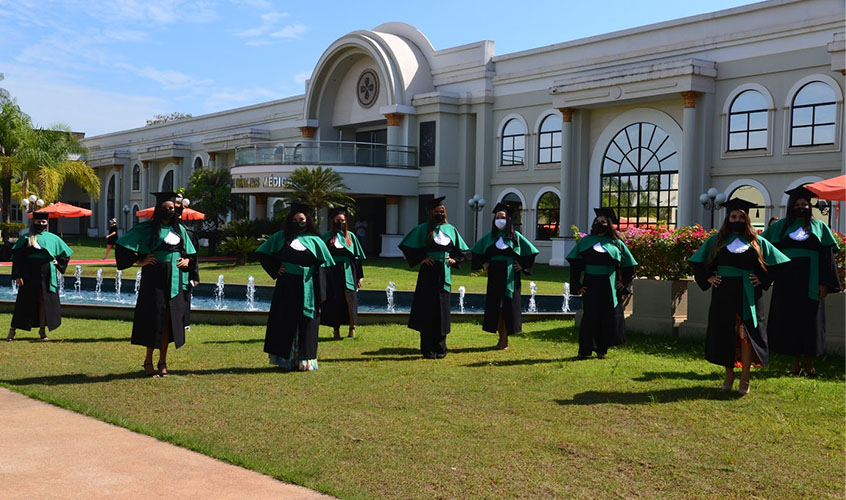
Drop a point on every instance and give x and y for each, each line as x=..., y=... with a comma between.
x=363, y=154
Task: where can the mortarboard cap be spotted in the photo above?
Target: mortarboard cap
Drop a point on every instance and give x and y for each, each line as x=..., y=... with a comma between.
x=436, y=202
x=299, y=208
x=607, y=213
x=338, y=210
x=503, y=207
x=738, y=204
x=801, y=192
x=164, y=196
x=40, y=215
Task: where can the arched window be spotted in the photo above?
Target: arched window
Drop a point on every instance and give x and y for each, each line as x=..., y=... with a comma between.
x=813, y=115
x=516, y=205
x=136, y=178
x=747, y=124
x=135, y=209
x=198, y=163
x=549, y=140
x=513, y=149
x=758, y=213
x=548, y=210
x=640, y=176
x=110, y=199
x=167, y=182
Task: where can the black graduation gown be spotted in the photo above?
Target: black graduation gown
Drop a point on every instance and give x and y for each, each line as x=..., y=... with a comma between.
x=796, y=323
x=495, y=297
x=154, y=305
x=36, y=275
x=430, y=310
x=603, y=325
x=286, y=318
x=342, y=302
x=727, y=304
x=193, y=275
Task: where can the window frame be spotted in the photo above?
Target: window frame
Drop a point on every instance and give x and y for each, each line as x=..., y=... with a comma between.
x=551, y=149
x=556, y=213
x=787, y=147
x=725, y=152
x=503, y=139
x=813, y=125
x=135, y=180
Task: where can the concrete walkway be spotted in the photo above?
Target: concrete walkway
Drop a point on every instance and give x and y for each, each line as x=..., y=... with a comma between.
x=50, y=453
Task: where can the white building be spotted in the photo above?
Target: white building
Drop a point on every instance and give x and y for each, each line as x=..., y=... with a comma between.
x=747, y=100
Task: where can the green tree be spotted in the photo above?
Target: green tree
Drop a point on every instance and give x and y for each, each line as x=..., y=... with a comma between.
x=211, y=194
x=170, y=117
x=318, y=187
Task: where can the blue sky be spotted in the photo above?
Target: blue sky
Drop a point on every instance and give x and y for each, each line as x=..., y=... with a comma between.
x=107, y=65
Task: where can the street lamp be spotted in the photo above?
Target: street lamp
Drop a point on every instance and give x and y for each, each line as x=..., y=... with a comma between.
x=125, y=214
x=476, y=204
x=712, y=201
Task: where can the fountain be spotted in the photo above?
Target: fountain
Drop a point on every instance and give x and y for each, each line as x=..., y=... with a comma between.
x=533, y=288
x=99, y=282
x=14, y=287
x=60, y=280
x=251, y=294
x=218, y=294
x=565, y=307
x=78, y=275
x=392, y=287
x=118, y=277
x=461, y=291
x=137, y=284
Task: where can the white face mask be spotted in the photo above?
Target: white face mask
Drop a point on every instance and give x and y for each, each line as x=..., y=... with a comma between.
x=500, y=223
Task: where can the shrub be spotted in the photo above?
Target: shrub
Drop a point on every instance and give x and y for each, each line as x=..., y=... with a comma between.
x=253, y=228
x=240, y=247
x=11, y=229
x=840, y=258
x=662, y=253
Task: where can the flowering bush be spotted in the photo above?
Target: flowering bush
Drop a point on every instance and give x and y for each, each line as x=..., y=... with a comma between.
x=662, y=252
x=840, y=258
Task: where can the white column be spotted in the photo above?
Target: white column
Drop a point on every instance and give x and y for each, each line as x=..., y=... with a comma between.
x=688, y=198
x=565, y=210
x=394, y=157
x=391, y=238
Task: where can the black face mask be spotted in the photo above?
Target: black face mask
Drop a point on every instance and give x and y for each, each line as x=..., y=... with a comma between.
x=800, y=212
x=38, y=228
x=737, y=226
x=166, y=213
x=599, y=228
x=302, y=225
x=439, y=218
x=340, y=226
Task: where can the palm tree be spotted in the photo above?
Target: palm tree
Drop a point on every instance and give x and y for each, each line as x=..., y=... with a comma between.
x=317, y=187
x=13, y=124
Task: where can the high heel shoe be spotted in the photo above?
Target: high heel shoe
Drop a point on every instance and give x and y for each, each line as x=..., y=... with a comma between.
x=149, y=371
x=162, y=369
x=743, y=390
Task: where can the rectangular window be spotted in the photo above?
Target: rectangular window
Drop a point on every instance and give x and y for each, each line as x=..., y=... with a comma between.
x=427, y=144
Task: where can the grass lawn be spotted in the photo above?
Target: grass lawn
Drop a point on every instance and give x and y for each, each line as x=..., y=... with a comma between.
x=377, y=272
x=377, y=421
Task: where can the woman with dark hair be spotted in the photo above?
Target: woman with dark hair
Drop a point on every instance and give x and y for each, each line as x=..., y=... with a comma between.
x=437, y=247
x=736, y=264
x=163, y=250
x=341, y=308
x=112, y=237
x=601, y=271
x=505, y=254
x=797, y=311
x=296, y=258
x=181, y=204
x=36, y=258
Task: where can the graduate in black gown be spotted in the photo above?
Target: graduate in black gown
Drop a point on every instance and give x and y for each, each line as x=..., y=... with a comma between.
x=737, y=265
x=194, y=268
x=505, y=254
x=601, y=271
x=437, y=247
x=341, y=307
x=297, y=258
x=163, y=250
x=35, y=260
x=797, y=311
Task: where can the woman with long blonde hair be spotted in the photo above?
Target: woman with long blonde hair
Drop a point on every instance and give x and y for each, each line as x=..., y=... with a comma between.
x=736, y=264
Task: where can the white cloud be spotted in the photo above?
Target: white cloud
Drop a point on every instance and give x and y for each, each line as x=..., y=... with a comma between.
x=268, y=23
x=229, y=98
x=290, y=31
x=258, y=4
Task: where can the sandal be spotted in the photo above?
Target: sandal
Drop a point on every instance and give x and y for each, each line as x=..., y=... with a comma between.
x=351, y=335
x=812, y=373
x=148, y=370
x=162, y=369
x=11, y=335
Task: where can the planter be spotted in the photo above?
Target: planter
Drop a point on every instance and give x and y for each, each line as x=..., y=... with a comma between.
x=660, y=306
x=835, y=324
x=698, y=303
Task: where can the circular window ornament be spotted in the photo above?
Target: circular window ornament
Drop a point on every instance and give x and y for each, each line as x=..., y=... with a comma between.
x=367, y=88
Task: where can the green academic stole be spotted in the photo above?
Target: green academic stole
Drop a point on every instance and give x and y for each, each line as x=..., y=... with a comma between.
x=307, y=272
x=611, y=272
x=178, y=278
x=748, y=290
x=509, y=273
x=346, y=261
x=814, y=274
x=442, y=258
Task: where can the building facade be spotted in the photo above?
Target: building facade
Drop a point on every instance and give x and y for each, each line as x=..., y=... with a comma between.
x=747, y=100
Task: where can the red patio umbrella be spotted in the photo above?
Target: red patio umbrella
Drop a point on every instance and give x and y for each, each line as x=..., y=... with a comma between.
x=830, y=189
x=187, y=214
x=61, y=210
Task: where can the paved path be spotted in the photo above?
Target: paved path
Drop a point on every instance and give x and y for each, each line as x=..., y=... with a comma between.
x=49, y=453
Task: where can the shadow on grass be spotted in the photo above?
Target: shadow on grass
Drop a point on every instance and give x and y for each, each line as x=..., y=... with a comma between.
x=82, y=378
x=649, y=397
x=560, y=334
x=410, y=351
x=520, y=362
x=716, y=375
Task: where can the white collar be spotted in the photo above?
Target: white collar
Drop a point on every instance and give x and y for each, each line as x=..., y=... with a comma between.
x=172, y=238
x=597, y=247
x=338, y=243
x=800, y=234
x=442, y=239
x=500, y=244
x=737, y=246
x=297, y=245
